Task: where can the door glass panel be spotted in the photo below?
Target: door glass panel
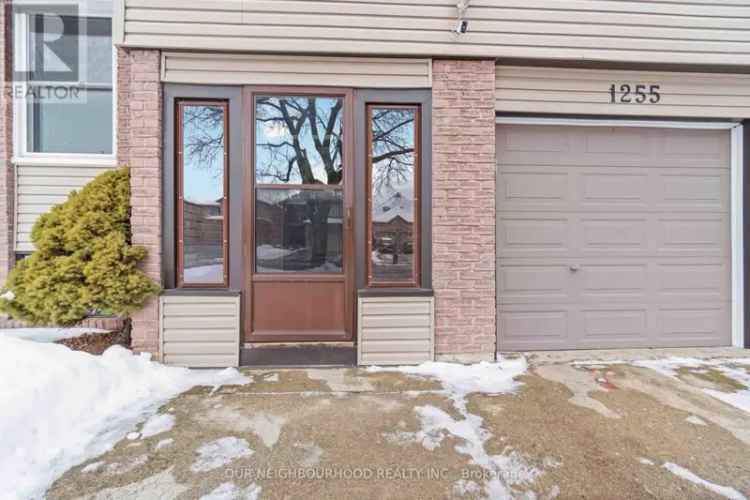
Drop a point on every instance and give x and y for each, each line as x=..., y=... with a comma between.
x=298, y=230
x=392, y=195
x=203, y=146
x=298, y=140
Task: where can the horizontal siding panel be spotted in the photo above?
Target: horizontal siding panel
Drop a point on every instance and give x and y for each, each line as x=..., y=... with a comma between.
x=196, y=298
x=580, y=91
x=402, y=321
x=197, y=309
x=395, y=330
x=38, y=189
x=397, y=308
x=183, y=347
x=653, y=31
x=392, y=358
x=403, y=333
x=200, y=335
x=388, y=346
x=442, y=37
x=252, y=69
x=200, y=331
x=181, y=322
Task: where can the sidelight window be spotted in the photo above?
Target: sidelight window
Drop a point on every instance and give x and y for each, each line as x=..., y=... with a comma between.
x=202, y=193
x=393, y=201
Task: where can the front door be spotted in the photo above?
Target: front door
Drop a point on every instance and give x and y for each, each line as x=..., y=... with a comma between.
x=298, y=237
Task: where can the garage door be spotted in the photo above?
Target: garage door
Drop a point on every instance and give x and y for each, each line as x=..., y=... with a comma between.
x=612, y=237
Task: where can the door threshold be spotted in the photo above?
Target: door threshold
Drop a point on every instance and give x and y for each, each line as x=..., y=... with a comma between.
x=298, y=355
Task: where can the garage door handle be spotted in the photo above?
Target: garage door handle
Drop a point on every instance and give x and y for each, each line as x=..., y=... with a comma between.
x=575, y=268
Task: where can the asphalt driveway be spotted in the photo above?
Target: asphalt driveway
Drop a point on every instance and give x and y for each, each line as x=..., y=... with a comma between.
x=628, y=424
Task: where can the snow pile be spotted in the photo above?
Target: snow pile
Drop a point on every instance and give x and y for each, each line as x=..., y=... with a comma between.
x=735, y=369
x=506, y=470
x=62, y=407
x=724, y=491
x=220, y=452
x=47, y=334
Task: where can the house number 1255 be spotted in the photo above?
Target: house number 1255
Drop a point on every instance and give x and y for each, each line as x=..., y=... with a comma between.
x=634, y=94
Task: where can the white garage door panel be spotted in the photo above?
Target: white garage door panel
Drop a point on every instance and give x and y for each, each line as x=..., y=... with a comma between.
x=612, y=237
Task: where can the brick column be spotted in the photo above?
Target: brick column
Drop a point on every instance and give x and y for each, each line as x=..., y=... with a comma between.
x=463, y=209
x=7, y=172
x=139, y=132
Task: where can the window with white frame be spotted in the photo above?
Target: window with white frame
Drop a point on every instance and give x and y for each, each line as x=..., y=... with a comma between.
x=66, y=107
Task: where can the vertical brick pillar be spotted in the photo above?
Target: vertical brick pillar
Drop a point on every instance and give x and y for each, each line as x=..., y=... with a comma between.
x=139, y=95
x=463, y=209
x=7, y=172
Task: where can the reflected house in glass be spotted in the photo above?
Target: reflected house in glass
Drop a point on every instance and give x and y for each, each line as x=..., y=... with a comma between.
x=393, y=236
x=291, y=236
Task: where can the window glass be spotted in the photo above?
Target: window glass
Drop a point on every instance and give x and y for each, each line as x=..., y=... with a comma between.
x=71, y=124
x=298, y=140
x=393, y=174
x=76, y=114
x=298, y=230
x=203, y=170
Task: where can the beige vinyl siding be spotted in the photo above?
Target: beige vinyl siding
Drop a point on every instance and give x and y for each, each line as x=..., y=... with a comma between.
x=255, y=69
x=40, y=188
x=200, y=331
x=587, y=91
x=687, y=31
x=395, y=330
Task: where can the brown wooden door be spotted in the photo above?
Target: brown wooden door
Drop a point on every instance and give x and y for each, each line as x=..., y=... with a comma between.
x=299, y=246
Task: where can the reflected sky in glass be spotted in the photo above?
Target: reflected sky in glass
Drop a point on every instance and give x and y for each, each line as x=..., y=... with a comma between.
x=203, y=154
x=298, y=140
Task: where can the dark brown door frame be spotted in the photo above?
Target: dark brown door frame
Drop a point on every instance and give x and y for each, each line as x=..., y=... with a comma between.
x=248, y=237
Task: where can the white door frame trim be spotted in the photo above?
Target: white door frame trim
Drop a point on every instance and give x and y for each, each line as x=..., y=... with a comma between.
x=737, y=199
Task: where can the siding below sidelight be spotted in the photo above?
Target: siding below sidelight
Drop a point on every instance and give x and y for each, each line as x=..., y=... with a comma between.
x=395, y=330
x=39, y=189
x=200, y=331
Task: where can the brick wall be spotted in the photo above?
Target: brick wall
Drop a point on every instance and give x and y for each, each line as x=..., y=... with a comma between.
x=463, y=208
x=139, y=133
x=7, y=177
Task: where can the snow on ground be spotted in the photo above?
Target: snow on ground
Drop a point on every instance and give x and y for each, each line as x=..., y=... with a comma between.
x=461, y=380
x=230, y=491
x=735, y=369
x=156, y=424
x=163, y=443
x=71, y=406
x=220, y=452
x=47, y=334
x=724, y=491
x=505, y=471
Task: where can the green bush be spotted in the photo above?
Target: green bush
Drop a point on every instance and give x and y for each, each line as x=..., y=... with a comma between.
x=84, y=260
